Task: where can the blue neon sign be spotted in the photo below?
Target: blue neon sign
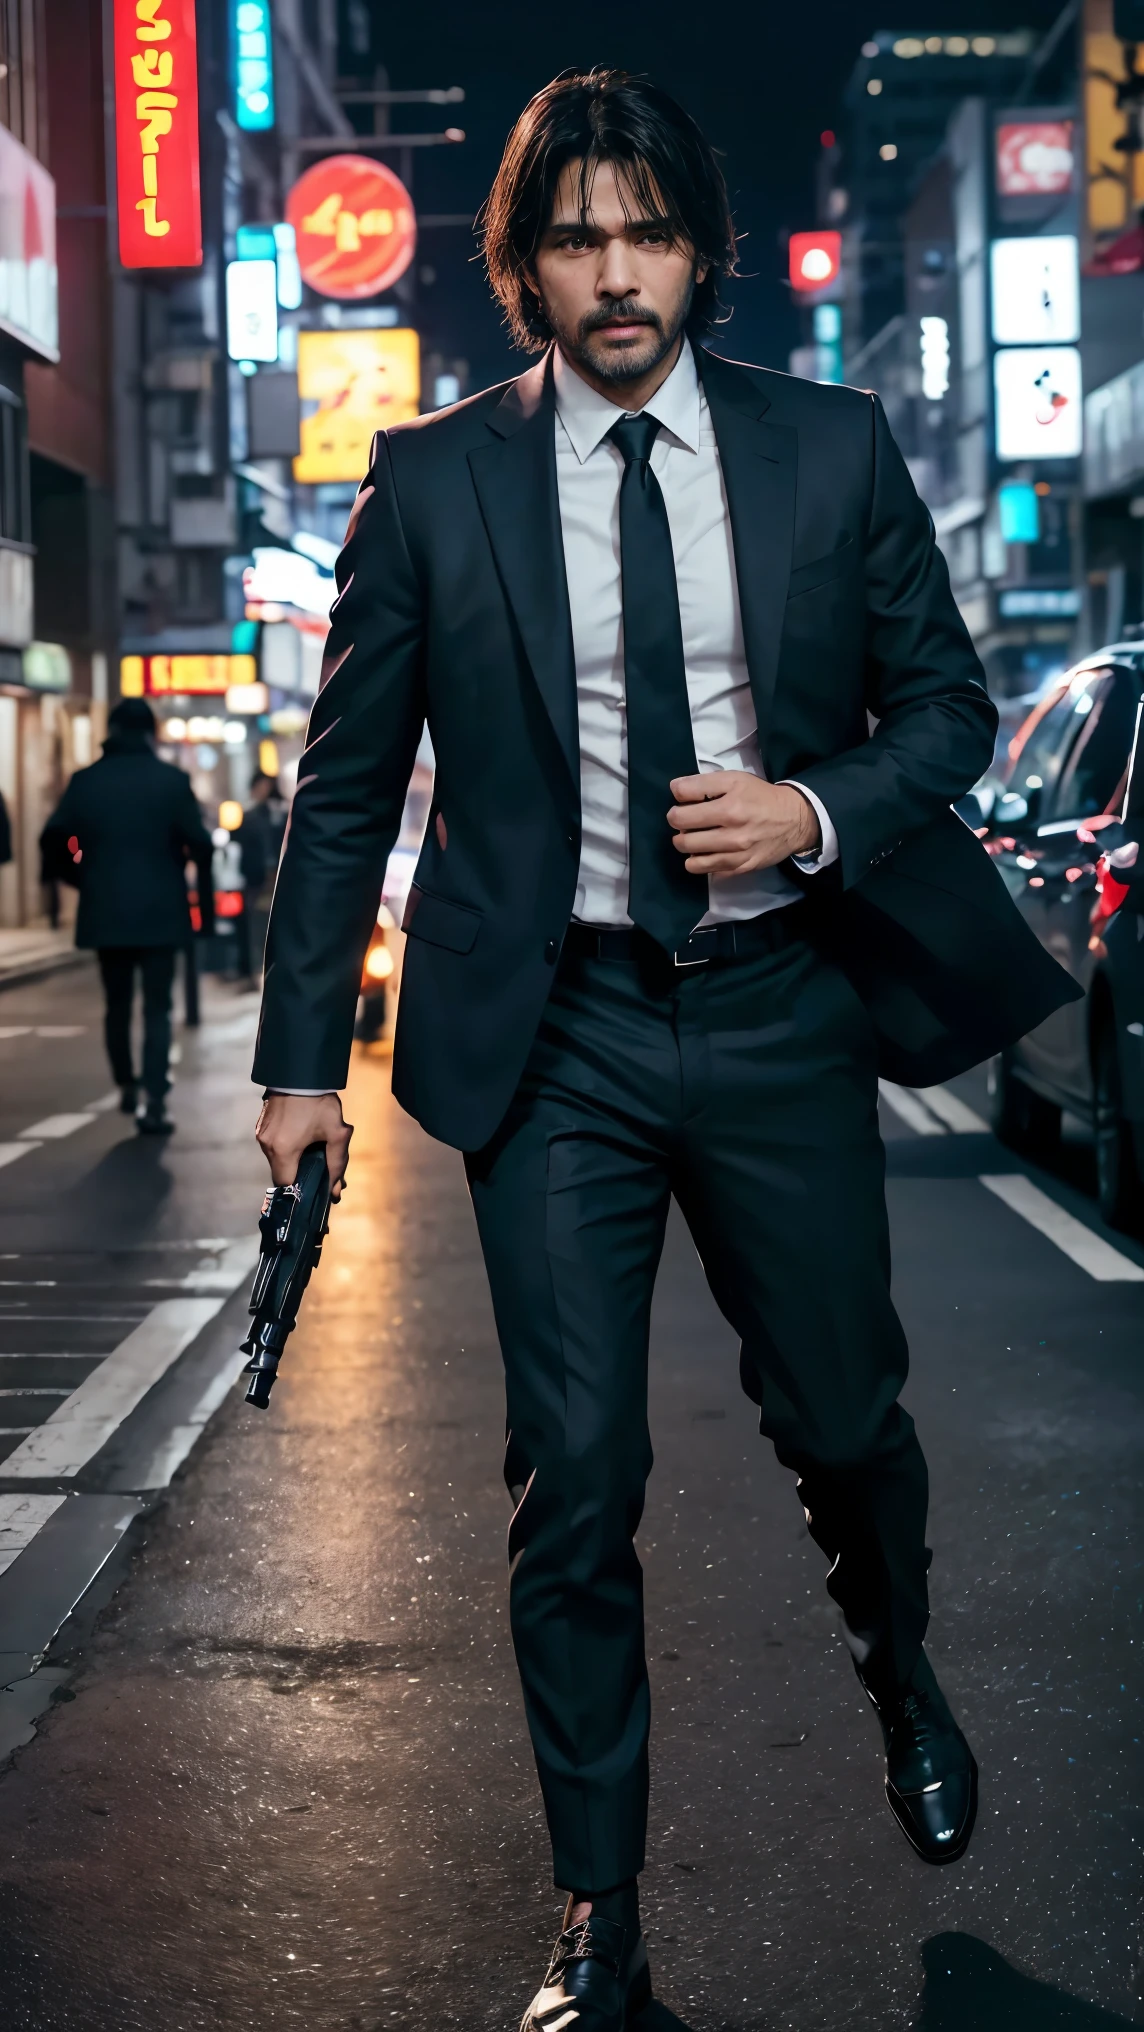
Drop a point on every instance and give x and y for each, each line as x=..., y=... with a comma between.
x=253, y=64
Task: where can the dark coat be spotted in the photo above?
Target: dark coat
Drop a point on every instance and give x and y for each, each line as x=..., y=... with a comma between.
x=5, y=833
x=137, y=823
x=453, y=608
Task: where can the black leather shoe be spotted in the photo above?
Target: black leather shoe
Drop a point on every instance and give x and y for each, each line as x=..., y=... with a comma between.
x=931, y=1777
x=154, y=1121
x=597, y=1980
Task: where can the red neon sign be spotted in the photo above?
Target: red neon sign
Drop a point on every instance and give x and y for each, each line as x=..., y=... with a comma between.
x=354, y=225
x=815, y=259
x=157, y=134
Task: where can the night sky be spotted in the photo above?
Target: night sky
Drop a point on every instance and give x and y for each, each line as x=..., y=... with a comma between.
x=763, y=81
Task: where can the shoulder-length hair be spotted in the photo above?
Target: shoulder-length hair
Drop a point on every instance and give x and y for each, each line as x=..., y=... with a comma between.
x=668, y=171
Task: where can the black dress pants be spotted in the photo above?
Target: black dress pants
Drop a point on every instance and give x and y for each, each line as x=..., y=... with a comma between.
x=747, y=1089
x=156, y=963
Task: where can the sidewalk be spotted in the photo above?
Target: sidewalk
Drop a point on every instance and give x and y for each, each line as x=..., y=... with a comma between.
x=35, y=950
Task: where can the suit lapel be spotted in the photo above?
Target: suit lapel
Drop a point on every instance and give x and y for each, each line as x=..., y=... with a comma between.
x=515, y=478
x=760, y=469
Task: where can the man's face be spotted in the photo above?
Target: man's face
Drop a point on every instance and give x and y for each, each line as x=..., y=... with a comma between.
x=615, y=289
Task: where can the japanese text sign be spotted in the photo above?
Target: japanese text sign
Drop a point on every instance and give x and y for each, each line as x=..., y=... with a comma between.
x=157, y=134
x=354, y=226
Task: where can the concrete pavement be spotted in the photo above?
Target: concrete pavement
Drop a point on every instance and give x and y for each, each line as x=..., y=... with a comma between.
x=285, y=1777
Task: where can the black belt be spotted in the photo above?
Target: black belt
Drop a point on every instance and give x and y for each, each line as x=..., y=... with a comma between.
x=769, y=933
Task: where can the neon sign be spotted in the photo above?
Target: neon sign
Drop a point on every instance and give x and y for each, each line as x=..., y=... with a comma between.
x=157, y=134
x=253, y=65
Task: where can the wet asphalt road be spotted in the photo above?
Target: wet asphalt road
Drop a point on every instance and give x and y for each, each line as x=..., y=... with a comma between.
x=293, y=1786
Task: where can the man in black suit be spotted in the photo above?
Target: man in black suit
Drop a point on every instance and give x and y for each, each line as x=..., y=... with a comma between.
x=676, y=907
x=122, y=834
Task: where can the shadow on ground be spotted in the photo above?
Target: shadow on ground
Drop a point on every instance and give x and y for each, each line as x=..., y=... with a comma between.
x=969, y=1987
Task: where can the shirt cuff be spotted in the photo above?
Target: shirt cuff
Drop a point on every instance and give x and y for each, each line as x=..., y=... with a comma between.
x=813, y=864
x=309, y=1093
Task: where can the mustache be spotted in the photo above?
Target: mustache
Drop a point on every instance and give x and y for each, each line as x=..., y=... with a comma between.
x=619, y=313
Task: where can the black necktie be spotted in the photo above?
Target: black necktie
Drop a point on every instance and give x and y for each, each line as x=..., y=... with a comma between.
x=663, y=899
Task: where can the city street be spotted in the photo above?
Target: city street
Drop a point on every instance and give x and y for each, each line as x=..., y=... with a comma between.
x=274, y=1771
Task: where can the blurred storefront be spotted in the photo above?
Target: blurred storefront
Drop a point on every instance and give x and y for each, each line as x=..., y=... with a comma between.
x=57, y=613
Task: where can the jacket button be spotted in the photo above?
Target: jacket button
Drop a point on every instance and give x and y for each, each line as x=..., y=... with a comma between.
x=551, y=950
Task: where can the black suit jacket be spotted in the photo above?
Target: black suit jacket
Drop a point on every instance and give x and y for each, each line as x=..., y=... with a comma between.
x=453, y=608
x=137, y=823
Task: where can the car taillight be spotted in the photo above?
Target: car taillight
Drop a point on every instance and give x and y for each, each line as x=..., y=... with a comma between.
x=1110, y=893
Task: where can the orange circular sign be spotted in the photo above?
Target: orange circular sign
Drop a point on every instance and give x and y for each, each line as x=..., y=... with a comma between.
x=354, y=224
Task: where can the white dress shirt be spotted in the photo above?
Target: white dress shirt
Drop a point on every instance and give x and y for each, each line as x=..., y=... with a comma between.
x=685, y=461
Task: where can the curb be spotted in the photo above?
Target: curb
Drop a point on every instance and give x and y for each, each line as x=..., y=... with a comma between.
x=18, y=976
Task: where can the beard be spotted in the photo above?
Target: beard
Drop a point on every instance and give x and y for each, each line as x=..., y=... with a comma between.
x=623, y=360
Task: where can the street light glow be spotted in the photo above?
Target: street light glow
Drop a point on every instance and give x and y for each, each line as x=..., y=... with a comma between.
x=935, y=358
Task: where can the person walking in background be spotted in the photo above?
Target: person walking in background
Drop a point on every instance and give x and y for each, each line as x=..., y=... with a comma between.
x=122, y=833
x=259, y=840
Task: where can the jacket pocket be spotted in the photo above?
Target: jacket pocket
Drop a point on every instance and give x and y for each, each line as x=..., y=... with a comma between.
x=440, y=922
x=806, y=578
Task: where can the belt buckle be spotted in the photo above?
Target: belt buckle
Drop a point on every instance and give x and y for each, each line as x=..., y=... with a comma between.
x=703, y=961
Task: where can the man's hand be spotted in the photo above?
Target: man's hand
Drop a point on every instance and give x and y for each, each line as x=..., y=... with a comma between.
x=289, y=1122
x=729, y=823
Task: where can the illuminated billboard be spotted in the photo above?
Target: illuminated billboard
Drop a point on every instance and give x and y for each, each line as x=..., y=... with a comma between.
x=1034, y=158
x=1036, y=290
x=28, y=273
x=157, y=134
x=1037, y=391
x=354, y=226
x=252, y=310
x=352, y=383
x=159, y=676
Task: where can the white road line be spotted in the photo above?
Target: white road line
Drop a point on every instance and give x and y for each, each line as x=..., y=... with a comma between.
x=237, y=1261
x=168, y=1458
x=105, y=1103
x=54, y=1126
x=907, y=1105
x=1087, y=1249
x=15, y=1029
x=20, y=1519
x=98, y=1406
x=950, y=1109
x=10, y=1151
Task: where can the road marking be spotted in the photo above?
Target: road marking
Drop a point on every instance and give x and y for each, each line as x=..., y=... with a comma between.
x=168, y=1458
x=933, y=1111
x=237, y=1261
x=952, y=1110
x=10, y=1151
x=912, y=1111
x=98, y=1406
x=105, y=1103
x=1087, y=1249
x=20, y=1519
x=54, y=1126
x=15, y=1030
x=61, y=1029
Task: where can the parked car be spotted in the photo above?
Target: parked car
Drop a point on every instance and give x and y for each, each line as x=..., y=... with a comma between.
x=1063, y=831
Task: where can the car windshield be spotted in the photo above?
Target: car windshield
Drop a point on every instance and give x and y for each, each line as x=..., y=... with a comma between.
x=1098, y=756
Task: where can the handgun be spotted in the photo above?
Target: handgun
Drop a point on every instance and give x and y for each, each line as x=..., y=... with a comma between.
x=293, y=1223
